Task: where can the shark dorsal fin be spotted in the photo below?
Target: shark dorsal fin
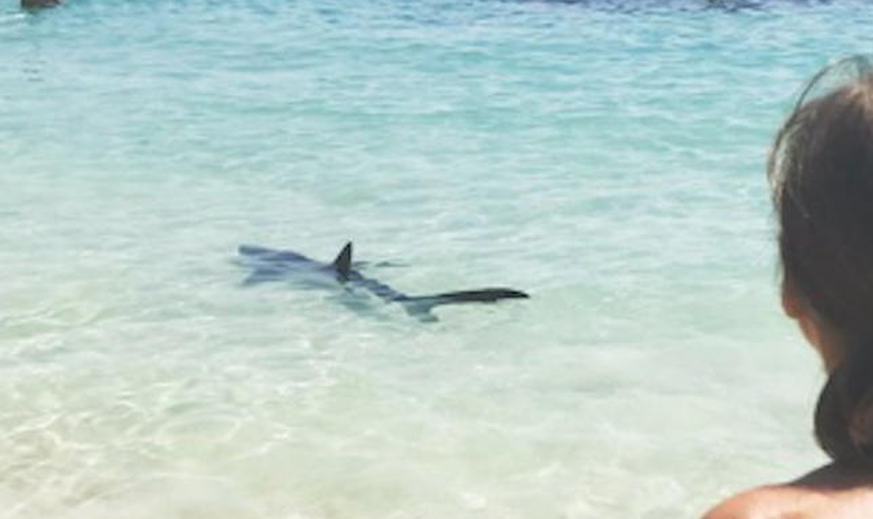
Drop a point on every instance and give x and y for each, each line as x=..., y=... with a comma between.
x=343, y=262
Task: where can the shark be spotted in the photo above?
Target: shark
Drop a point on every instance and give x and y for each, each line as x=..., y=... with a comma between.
x=275, y=265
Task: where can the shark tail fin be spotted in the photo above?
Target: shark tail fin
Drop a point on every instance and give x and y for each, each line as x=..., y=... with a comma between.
x=343, y=262
x=421, y=306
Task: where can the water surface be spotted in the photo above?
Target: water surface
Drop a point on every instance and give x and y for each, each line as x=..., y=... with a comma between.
x=606, y=157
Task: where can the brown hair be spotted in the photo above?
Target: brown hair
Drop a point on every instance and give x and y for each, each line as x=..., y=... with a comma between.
x=821, y=171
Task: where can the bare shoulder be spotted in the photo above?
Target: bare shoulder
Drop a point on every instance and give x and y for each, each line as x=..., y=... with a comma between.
x=767, y=502
x=830, y=492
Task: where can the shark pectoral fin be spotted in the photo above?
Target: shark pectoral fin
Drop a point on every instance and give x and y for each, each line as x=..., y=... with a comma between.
x=343, y=262
x=263, y=275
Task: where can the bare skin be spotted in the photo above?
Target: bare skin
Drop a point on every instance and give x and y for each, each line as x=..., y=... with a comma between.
x=830, y=492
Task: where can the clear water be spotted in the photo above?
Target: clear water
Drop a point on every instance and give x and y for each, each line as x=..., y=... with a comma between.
x=607, y=157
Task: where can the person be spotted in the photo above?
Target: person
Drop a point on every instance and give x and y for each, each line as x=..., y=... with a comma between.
x=821, y=174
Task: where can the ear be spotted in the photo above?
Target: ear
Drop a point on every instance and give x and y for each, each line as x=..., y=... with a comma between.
x=794, y=303
x=790, y=302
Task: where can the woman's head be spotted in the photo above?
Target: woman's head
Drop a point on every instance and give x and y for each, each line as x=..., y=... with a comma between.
x=821, y=171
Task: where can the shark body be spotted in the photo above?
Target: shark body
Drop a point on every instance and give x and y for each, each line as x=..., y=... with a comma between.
x=274, y=265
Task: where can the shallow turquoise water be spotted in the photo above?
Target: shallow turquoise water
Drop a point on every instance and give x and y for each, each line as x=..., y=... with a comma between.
x=605, y=157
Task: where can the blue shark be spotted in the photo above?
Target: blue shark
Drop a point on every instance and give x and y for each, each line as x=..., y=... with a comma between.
x=275, y=265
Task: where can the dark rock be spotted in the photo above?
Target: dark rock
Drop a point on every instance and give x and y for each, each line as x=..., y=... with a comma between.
x=39, y=4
